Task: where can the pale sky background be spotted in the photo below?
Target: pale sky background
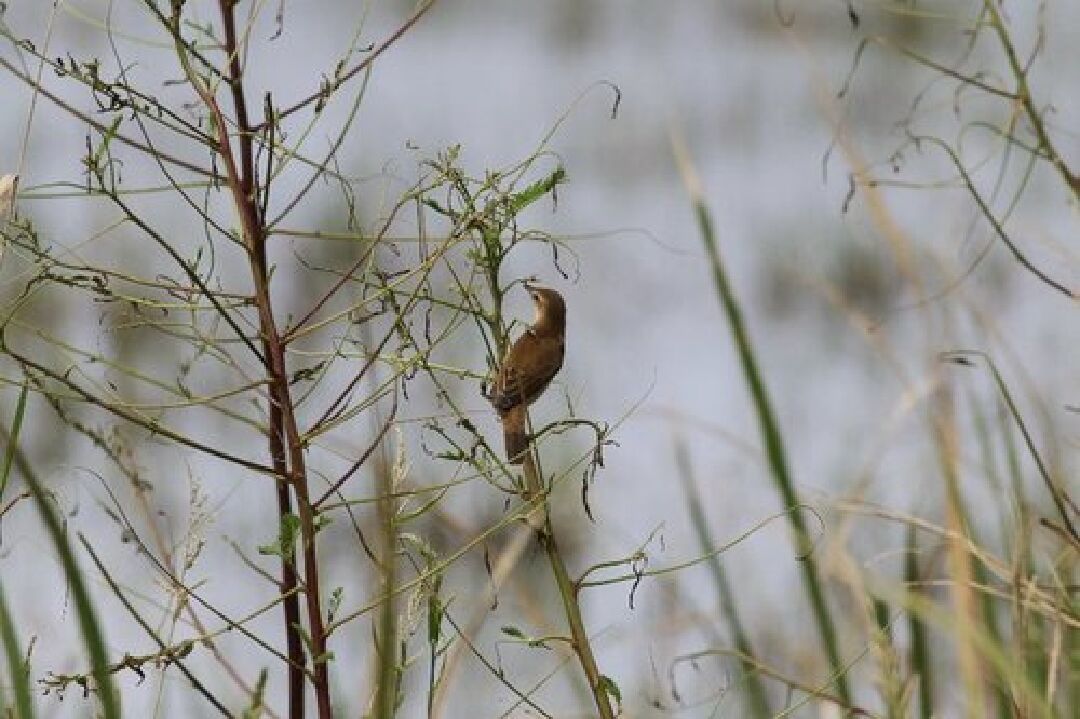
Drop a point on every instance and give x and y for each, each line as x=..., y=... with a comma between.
x=756, y=105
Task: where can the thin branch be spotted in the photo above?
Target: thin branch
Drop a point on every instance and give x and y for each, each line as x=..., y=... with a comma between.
x=994, y=223
x=331, y=87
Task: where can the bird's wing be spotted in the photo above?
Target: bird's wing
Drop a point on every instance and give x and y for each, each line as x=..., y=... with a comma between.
x=526, y=370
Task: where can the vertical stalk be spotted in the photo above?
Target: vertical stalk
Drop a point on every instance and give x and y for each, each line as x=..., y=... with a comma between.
x=920, y=644
x=286, y=448
x=386, y=681
x=568, y=590
x=946, y=441
x=540, y=518
x=771, y=434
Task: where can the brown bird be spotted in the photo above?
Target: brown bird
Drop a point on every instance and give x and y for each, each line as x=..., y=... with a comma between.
x=528, y=368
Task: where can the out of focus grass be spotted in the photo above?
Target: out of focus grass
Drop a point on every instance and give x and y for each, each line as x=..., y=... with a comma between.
x=87, y=615
x=981, y=627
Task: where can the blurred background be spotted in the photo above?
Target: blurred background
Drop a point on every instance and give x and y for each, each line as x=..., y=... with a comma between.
x=851, y=291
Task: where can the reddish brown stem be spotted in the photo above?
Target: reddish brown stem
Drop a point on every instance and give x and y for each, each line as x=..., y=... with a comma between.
x=286, y=447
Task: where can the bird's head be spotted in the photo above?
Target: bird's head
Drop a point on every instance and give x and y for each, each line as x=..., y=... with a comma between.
x=550, y=308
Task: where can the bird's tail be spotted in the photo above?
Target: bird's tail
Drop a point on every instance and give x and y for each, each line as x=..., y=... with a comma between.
x=515, y=438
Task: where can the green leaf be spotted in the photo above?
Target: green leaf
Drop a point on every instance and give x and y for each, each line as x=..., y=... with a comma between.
x=434, y=205
x=285, y=545
x=106, y=140
x=609, y=687
x=435, y=617
x=514, y=632
x=538, y=189
x=255, y=708
x=334, y=604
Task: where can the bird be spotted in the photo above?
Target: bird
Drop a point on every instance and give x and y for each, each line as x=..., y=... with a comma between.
x=528, y=367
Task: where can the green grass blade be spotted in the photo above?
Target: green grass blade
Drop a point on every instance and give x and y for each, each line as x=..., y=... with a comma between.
x=1057, y=492
x=770, y=430
x=24, y=705
x=920, y=645
x=84, y=609
x=20, y=684
x=882, y=619
x=982, y=575
x=9, y=451
x=967, y=636
x=756, y=699
x=1071, y=690
x=988, y=609
x=388, y=676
